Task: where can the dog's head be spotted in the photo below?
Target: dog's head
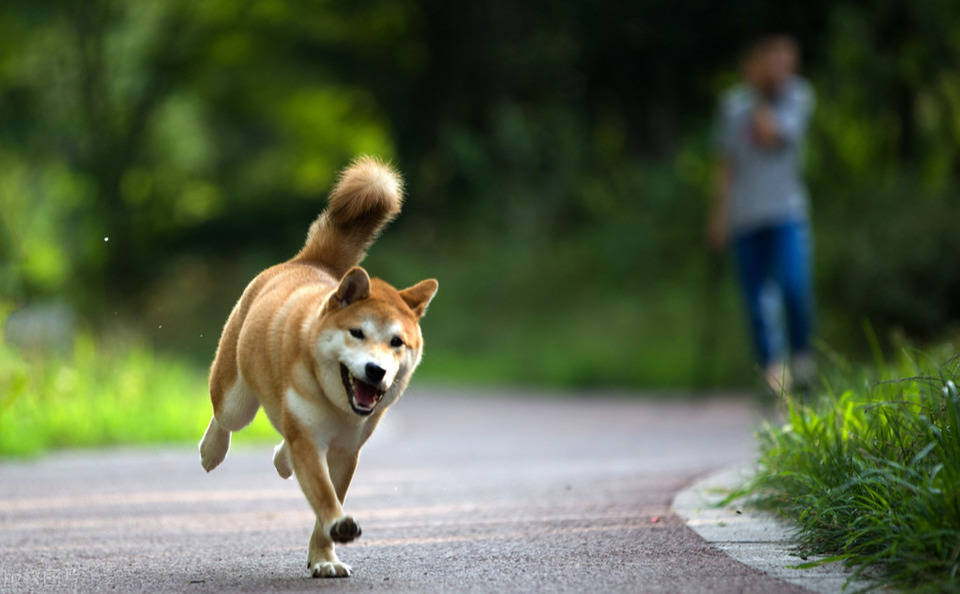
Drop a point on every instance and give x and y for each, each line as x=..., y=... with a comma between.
x=369, y=341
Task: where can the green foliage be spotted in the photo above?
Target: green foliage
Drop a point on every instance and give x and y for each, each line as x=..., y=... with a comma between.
x=871, y=471
x=885, y=268
x=144, y=123
x=560, y=331
x=102, y=394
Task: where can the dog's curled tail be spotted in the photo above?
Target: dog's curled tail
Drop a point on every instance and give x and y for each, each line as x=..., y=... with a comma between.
x=367, y=196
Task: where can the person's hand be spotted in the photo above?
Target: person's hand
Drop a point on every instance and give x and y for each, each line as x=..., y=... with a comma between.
x=717, y=233
x=765, y=126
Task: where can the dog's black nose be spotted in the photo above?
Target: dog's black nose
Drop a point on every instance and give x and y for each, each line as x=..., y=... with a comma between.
x=375, y=373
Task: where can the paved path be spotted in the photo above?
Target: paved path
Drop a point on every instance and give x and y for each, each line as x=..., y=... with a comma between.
x=456, y=492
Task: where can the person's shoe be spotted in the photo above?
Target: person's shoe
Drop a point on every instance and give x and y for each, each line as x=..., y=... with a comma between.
x=804, y=371
x=777, y=377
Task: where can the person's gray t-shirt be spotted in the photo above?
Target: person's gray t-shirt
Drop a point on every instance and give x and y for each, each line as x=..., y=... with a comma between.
x=767, y=188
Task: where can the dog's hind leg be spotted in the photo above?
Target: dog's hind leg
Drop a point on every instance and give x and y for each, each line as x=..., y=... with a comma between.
x=232, y=412
x=281, y=460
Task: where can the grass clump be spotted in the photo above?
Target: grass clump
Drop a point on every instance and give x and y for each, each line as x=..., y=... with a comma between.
x=102, y=394
x=870, y=472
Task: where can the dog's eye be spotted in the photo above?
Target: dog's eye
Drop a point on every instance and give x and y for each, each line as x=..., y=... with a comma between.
x=356, y=333
x=396, y=341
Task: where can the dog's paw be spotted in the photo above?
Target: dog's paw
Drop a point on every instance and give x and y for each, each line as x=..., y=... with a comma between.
x=214, y=446
x=344, y=530
x=328, y=569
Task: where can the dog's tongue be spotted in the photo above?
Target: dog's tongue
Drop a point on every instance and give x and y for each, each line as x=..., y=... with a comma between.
x=366, y=395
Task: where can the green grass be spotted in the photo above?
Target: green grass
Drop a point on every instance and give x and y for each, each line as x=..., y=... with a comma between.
x=870, y=471
x=100, y=395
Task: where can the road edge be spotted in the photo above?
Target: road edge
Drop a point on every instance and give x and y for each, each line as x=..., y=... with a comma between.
x=755, y=538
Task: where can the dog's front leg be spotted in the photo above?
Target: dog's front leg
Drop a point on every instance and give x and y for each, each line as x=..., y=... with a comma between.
x=342, y=463
x=310, y=466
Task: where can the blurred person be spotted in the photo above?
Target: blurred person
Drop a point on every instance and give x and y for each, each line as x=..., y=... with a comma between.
x=760, y=205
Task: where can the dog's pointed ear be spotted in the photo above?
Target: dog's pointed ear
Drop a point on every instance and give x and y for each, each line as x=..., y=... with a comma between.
x=419, y=296
x=354, y=286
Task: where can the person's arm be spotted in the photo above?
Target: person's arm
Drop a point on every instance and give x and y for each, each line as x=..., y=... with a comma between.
x=766, y=129
x=718, y=225
x=786, y=123
x=793, y=117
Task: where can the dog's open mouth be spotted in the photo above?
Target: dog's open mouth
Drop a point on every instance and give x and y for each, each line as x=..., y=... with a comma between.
x=363, y=396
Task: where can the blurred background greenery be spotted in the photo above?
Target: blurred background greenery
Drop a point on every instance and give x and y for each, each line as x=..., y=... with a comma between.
x=155, y=156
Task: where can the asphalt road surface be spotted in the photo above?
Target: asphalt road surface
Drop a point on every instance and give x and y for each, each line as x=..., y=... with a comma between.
x=455, y=492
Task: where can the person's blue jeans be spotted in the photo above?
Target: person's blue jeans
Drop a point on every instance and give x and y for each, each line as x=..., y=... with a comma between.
x=779, y=254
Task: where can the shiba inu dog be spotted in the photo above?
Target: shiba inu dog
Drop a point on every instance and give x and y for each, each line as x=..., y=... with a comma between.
x=325, y=350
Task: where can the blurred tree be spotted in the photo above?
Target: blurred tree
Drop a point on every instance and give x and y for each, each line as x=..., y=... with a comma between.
x=160, y=119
